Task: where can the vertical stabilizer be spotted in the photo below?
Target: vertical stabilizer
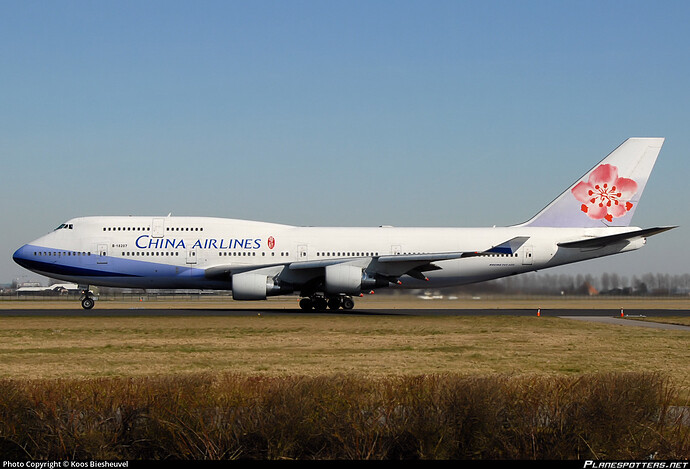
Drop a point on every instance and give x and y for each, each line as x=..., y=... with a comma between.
x=608, y=194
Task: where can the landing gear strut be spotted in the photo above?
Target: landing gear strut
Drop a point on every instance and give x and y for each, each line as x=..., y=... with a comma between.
x=87, y=301
x=321, y=303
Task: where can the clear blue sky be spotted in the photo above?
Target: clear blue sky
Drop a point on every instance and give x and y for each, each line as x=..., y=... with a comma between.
x=358, y=113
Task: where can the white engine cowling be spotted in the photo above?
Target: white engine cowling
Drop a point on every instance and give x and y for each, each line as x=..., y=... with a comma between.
x=342, y=278
x=250, y=286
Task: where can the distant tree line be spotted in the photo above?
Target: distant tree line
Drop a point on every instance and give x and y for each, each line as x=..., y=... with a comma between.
x=648, y=284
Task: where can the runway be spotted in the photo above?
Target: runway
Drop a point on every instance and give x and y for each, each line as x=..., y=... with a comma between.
x=220, y=311
x=602, y=316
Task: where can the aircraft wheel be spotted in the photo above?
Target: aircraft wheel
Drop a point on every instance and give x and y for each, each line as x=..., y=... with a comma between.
x=306, y=304
x=348, y=303
x=334, y=303
x=87, y=303
x=321, y=304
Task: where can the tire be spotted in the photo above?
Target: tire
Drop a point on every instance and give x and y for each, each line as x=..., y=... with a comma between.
x=348, y=303
x=87, y=303
x=306, y=304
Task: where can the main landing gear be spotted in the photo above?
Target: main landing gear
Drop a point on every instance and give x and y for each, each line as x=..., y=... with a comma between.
x=321, y=303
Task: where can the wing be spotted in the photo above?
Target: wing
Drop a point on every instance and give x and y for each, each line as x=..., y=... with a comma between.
x=388, y=268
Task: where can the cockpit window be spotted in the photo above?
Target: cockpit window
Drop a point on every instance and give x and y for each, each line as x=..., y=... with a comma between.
x=64, y=226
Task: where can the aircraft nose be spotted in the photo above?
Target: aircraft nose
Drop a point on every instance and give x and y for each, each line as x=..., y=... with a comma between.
x=20, y=256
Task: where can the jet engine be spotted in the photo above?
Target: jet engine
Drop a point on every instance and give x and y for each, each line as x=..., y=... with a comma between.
x=342, y=278
x=350, y=279
x=251, y=286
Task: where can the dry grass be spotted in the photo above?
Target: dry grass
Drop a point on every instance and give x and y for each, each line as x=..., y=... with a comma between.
x=282, y=385
x=312, y=345
x=609, y=416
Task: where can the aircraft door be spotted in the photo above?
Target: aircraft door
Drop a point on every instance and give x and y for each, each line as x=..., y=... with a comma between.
x=302, y=252
x=158, y=228
x=102, y=257
x=192, y=256
x=527, y=254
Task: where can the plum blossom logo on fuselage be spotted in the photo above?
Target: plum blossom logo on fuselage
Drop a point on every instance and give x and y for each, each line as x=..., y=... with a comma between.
x=605, y=195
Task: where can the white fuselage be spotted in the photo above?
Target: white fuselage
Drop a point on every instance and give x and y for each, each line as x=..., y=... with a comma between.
x=183, y=252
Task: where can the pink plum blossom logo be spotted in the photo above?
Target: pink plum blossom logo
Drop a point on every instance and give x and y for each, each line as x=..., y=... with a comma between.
x=605, y=195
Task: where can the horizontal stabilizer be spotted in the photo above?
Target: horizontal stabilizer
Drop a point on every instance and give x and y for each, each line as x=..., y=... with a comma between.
x=602, y=241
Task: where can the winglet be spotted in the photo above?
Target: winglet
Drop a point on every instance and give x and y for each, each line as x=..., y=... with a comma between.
x=608, y=194
x=508, y=247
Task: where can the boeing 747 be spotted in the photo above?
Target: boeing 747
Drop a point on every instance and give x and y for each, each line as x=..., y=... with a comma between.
x=328, y=266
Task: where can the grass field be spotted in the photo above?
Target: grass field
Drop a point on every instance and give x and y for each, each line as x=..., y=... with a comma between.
x=276, y=383
x=322, y=344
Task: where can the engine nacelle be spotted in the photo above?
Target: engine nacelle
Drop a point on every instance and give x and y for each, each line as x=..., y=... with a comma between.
x=251, y=286
x=341, y=278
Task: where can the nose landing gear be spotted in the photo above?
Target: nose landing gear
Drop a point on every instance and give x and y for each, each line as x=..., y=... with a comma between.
x=87, y=301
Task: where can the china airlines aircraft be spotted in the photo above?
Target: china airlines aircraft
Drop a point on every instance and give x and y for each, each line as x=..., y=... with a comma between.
x=328, y=266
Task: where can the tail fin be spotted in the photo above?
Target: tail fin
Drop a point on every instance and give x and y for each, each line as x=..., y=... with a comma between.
x=608, y=194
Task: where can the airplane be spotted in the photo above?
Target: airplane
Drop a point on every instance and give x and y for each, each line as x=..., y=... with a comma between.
x=328, y=266
x=55, y=288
